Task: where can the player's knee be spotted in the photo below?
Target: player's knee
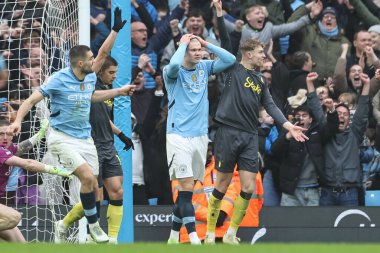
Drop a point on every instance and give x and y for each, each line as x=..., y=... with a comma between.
x=116, y=193
x=248, y=189
x=88, y=180
x=13, y=219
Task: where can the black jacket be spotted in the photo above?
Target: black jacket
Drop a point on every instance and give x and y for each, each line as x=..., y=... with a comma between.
x=292, y=153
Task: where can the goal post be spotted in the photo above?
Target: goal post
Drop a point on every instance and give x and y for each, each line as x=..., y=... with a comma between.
x=35, y=39
x=122, y=115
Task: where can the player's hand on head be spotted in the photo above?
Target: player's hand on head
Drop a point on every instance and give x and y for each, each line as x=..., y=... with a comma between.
x=202, y=41
x=118, y=23
x=185, y=39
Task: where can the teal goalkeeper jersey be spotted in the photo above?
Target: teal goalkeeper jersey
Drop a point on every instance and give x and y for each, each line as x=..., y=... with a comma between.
x=70, y=102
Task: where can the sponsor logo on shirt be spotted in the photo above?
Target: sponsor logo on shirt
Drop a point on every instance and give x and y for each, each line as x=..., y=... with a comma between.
x=250, y=84
x=80, y=98
x=82, y=87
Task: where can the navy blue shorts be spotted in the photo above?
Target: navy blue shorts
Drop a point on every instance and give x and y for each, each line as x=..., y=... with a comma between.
x=109, y=163
x=233, y=146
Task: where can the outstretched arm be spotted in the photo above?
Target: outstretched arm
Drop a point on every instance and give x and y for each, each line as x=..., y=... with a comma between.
x=226, y=59
x=101, y=95
x=175, y=63
x=105, y=50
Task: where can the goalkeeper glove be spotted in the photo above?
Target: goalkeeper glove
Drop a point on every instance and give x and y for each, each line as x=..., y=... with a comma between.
x=127, y=141
x=41, y=133
x=59, y=171
x=117, y=22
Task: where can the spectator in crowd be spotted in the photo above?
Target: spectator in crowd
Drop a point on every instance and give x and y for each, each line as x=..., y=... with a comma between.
x=317, y=38
x=375, y=38
x=268, y=133
x=141, y=44
x=301, y=169
x=263, y=30
x=342, y=163
x=362, y=56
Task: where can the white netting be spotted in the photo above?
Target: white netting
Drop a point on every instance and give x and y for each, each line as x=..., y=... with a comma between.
x=35, y=37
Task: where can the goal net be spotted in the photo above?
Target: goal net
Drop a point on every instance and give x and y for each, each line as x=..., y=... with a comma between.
x=35, y=37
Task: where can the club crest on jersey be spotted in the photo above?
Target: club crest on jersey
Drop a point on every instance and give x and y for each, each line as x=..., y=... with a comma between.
x=89, y=86
x=201, y=72
x=82, y=87
x=194, y=77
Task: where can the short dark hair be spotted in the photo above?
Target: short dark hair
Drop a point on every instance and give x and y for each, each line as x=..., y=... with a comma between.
x=344, y=105
x=195, y=13
x=250, y=44
x=4, y=122
x=110, y=61
x=298, y=59
x=78, y=53
x=304, y=108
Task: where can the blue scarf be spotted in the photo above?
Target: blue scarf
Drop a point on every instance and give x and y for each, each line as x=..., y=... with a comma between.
x=328, y=34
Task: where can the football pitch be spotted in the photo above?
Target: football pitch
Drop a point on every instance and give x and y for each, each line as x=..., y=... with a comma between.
x=163, y=248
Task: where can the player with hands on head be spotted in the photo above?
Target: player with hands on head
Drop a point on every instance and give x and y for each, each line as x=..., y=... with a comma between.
x=186, y=78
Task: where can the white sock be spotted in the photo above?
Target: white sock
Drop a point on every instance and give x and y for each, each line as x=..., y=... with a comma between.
x=194, y=237
x=231, y=232
x=210, y=235
x=174, y=235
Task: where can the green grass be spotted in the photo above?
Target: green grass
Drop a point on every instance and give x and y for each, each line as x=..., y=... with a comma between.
x=163, y=248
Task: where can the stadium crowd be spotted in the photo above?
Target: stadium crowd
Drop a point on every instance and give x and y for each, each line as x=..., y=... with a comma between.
x=322, y=59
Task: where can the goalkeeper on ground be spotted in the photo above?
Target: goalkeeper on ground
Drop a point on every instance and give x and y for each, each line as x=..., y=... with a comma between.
x=9, y=217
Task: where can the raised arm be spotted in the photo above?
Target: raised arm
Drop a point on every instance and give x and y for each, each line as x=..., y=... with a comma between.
x=313, y=100
x=176, y=61
x=340, y=75
x=105, y=49
x=364, y=14
x=360, y=118
x=225, y=58
x=225, y=41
